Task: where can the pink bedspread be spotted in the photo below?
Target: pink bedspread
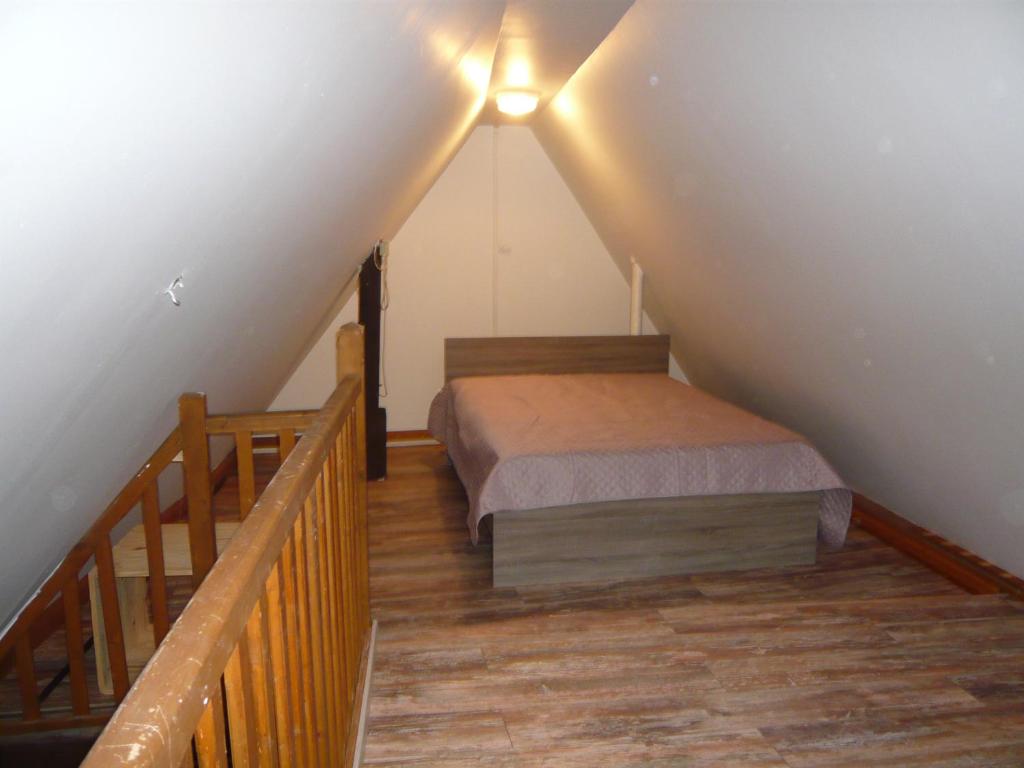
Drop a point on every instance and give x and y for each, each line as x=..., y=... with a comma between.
x=524, y=442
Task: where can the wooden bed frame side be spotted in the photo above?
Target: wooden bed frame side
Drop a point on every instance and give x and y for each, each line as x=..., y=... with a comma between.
x=508, y=355
x=643, y=538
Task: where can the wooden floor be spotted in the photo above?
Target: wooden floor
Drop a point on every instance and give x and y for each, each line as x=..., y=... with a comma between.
x=866, y=659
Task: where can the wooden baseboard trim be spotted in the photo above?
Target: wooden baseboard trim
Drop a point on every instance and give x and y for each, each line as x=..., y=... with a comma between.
x=962, y=567
x=364, y=699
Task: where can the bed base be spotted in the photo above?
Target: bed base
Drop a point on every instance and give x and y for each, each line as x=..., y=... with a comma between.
x=638, y=538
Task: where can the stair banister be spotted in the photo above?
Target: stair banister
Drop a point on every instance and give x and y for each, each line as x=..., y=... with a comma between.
x=279, y=626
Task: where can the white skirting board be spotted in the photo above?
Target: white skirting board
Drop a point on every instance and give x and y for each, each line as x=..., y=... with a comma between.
x=411, y=443
x=364, y=708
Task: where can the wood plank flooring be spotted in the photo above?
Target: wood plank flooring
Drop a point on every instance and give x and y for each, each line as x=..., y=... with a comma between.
x=865, y=659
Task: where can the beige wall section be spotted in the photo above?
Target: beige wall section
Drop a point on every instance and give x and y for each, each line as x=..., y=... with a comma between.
x=313, y=380
x=498, y=245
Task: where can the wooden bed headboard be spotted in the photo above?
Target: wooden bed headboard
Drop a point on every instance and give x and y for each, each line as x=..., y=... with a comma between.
x=507, y=355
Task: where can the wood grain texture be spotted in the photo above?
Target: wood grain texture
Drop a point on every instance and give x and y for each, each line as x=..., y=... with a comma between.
x=74, y=647
x=131, y=558
x=241, y=707
x=195, y=448
x=260, y=423
x=866, y=658
x=506, y=355
x=136, y=631
x=211, y=734
x=107, y=627
x=27, y=685
x=637, y=538
x=155, y=565
x=246, y=473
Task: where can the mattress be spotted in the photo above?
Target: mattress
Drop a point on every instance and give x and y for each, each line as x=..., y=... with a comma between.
x=534, y=441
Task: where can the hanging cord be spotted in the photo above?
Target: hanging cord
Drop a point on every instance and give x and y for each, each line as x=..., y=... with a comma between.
x=380, y=261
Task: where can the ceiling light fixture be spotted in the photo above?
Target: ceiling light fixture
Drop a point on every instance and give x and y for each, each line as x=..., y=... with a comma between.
x=516, y=103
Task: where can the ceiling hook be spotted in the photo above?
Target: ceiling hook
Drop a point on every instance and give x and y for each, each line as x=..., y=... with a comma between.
x=178, y=283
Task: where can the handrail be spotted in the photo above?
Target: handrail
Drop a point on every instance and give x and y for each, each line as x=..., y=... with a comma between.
x=280, y=618
x=271, y=421
x=86, y=546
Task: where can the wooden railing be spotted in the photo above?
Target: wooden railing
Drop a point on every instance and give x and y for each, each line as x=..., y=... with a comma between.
x=59, y=602
x=104, y=612
x=110, y=603
x=265, y=664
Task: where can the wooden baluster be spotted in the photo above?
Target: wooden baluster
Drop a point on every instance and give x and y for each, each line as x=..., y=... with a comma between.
x=211, y=738
x=297, y=688
x=330, y=652
x=302, y=639
x=349, y=360
x=347, y=458
x=311, y=577
x=260, y=670
x=241, y=707
x=246, y=473
x=359, y=614
x=195, y=448
x=155, y=558
x=27, y=685
x=75, y=646
x=338, y=585
x=345, y=512
x=279, y=665
x=285, y=443
x=112, y=618
x=346, y=560
x=364, y=535
x=334, y=596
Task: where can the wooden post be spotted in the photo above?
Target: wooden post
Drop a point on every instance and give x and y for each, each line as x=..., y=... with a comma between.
x=195, y=448
x=350, y=362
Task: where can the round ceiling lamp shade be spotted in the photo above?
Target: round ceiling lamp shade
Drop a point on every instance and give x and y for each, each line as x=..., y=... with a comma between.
x=516, y=103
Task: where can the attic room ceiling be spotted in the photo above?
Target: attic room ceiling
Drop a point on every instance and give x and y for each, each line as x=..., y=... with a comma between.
x=258, y=150
x=255, y=150
x=542, y=43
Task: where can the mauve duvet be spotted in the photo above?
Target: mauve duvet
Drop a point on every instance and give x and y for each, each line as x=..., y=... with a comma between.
x=524, y=442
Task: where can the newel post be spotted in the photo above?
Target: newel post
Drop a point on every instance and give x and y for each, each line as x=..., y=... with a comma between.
x=351, y=357
x=195, y=449
x=351, y=362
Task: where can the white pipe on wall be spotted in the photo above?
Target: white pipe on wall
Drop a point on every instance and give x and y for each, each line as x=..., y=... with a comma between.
x=636, y=300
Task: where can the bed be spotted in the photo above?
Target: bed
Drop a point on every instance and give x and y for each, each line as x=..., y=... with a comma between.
x=594, y=465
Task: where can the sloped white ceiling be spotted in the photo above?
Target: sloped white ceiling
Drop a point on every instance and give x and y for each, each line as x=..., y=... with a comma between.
x=257, y=150
x=826, y=199
x=542, y=43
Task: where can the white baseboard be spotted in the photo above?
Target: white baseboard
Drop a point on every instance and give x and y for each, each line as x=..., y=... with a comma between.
x=411, y=443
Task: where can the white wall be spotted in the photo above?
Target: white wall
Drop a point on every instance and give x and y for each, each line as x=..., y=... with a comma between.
x=827, y=200
x=498, y=246
x=257, y=149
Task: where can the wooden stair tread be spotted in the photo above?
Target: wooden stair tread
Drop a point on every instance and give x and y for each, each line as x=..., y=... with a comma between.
x=130, y=552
